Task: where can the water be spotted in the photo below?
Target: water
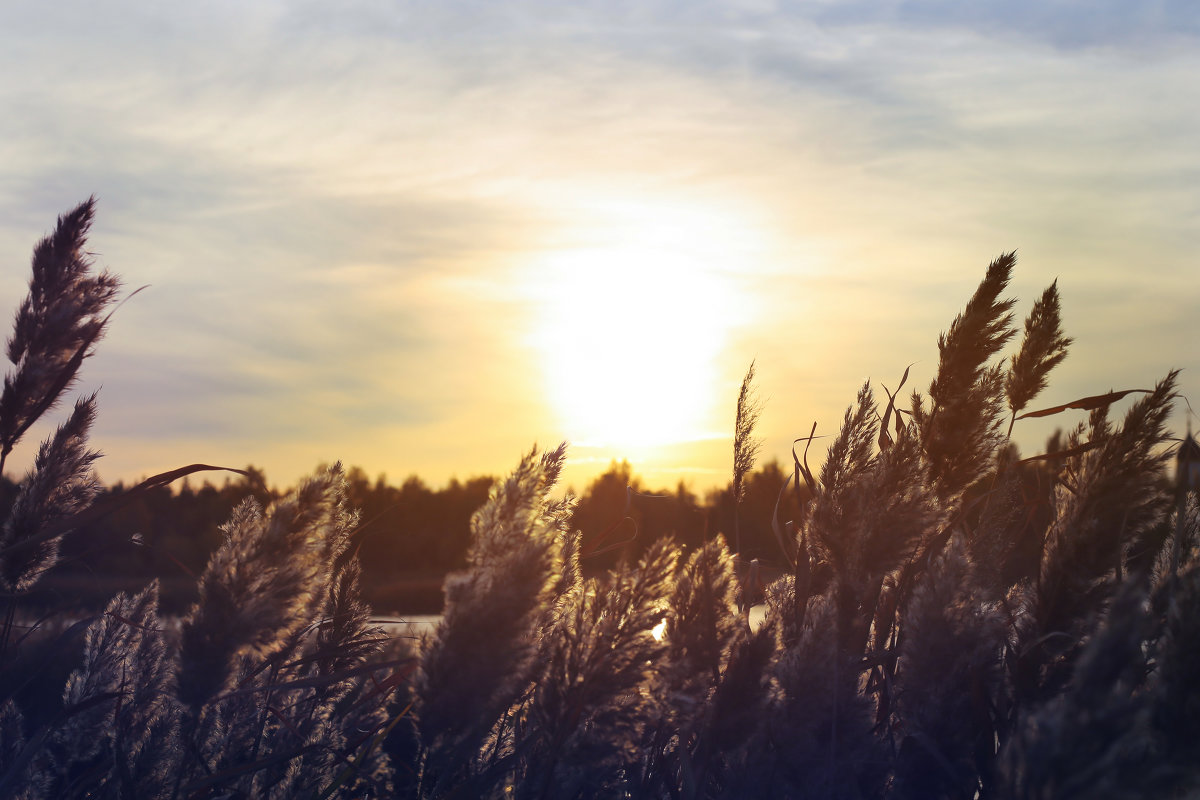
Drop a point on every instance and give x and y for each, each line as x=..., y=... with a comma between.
x=413, y=626
x=408, y=626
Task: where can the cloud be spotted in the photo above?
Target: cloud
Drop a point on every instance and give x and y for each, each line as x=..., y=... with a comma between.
x=345, y=196
x=1062, y=24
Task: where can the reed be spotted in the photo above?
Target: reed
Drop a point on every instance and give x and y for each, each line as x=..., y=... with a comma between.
x=928, y=638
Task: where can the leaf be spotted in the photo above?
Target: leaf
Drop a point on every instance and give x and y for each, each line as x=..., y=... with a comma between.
x=775, y=526
x=802, y=468
x=1070, y=451
x=885, y=439
x=110, y=504
x=1084, y=403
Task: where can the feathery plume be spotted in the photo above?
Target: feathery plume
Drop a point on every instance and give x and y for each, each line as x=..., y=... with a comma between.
x=947, y=681
x=1173, y=712
x=1090, y=740
x=259, y=587
x=975, y=335
x=592, y=703
x=833, y=522
x=704, y=620
x=1113, y=497
x=818, y=740
x=745, y=445
x=477, y=661
x=1043, y=348
x=56, y=326
x=128, y=736
x=61, y=484
x=961, y=429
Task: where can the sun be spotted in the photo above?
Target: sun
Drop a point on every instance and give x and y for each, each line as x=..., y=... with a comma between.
x=633, y=319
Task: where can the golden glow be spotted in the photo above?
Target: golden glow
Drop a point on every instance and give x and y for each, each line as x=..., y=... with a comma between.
x=633, y=319
x=659, y=630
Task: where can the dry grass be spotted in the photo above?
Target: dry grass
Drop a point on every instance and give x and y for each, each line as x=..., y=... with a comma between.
x=930, y=640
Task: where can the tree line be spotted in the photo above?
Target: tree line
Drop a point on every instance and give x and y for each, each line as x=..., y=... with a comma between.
x=408, y=537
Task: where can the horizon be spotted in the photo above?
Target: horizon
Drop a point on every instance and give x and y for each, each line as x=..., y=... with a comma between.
x=419, y=240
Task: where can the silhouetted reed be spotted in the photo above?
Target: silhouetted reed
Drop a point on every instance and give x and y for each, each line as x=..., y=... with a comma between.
x=273, y=684
x=56, y=327
x=61, y=484
x=481, y=656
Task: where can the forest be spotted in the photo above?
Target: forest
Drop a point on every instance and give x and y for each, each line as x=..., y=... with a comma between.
x=408, y=539
x=949, y=619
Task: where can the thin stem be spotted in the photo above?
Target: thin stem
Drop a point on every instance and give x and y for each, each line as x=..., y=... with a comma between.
x=5, y=635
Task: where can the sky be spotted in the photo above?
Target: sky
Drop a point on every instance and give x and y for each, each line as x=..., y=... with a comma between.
x=421, y=237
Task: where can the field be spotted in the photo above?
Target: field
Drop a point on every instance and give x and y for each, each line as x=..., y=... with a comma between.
x=954, y=621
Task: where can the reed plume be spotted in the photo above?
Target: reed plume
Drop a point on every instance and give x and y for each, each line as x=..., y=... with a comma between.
x=1173, y=710
x=948, y=682
x=745, y=445
x=123, y=721
x=61, y=484
x=704, y=622
x=1042, y=349
x=259, y=587
x=960, y=429
x=1090, y=740
x=592, y=703
x=1112, y=496
x=715, y=678
x=478, y=660
x=56, y=327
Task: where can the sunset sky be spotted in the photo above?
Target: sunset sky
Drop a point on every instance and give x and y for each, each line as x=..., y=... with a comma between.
x=420, y=237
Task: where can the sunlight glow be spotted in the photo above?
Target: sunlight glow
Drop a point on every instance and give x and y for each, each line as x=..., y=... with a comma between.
x=633, y=320
x=659, y=630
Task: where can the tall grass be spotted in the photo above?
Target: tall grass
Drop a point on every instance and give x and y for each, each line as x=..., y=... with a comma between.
x=953, y=622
